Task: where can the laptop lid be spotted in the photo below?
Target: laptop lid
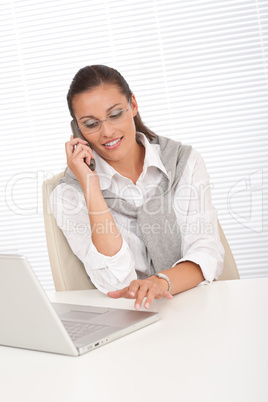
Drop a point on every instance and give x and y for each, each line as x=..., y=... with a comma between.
x=30, y=321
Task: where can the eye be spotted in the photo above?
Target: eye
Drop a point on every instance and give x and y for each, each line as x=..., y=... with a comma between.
x=91, y=124
x=116, y=114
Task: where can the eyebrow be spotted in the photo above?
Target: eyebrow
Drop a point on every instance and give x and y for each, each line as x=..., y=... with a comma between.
x=107, y=111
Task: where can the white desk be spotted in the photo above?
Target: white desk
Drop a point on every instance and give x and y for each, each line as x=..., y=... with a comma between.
x=210, y=345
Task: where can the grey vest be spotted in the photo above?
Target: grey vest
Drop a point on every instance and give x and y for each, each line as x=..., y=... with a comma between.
x=155, y=221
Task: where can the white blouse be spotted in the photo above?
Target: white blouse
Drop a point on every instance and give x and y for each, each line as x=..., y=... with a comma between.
x=191, y=200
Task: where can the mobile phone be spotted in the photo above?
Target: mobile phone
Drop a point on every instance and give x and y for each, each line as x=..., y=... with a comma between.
x=77, y=134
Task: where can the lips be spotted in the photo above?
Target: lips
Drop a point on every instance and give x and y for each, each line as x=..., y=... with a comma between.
x=113, y=144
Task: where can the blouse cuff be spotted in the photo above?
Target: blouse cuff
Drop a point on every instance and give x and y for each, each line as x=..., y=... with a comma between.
x=110, y=272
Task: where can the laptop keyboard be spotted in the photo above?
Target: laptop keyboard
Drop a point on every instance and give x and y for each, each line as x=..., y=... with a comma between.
x=78, y=330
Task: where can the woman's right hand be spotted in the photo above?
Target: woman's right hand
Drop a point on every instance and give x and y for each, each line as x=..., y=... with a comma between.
x=105, y=234
x=79, y=155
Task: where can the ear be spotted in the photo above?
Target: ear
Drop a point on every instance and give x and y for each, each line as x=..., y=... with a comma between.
x=134, y=105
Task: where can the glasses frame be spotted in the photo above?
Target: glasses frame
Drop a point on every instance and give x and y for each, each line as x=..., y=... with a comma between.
x=101, y=121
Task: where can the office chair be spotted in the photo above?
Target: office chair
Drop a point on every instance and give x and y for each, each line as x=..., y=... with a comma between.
x=230, y=270
x=68, y=271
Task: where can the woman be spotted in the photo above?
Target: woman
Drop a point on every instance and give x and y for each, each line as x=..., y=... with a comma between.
x=142, y=223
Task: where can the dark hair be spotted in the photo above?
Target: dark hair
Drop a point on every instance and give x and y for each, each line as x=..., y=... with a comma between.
x=90, y=77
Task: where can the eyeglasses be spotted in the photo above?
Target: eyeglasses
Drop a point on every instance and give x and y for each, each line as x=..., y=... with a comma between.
x=90, y=126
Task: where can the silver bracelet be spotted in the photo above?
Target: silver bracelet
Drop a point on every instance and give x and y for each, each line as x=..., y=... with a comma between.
x=163, y=276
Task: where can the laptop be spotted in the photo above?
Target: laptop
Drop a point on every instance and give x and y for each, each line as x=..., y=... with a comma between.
x=29, y=320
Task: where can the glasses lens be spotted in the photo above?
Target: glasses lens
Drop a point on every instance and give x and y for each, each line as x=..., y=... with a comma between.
x=90, y=126
x=116, y=115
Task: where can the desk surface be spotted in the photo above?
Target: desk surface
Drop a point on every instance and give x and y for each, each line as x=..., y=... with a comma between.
x=210, y=344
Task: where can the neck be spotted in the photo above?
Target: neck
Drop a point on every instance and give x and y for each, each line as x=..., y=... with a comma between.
x=132, y=165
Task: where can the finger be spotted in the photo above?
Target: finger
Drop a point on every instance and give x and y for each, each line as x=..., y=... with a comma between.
x=88, y=159
x=80, y=156
x=168, y=296
x=78, y=147
x=142, y=293
x=155, y=292
x=74, y=142
x=77, y=140
x=116, y=294
x=150, y=297
x=82, y=151
x=68, y=149
x=70, y=145
x=133, y=288
x=91, y=152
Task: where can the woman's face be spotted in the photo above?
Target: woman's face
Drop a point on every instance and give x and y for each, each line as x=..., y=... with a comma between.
x=113, y=142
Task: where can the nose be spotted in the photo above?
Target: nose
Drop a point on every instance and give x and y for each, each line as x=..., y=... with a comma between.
x=107, y=129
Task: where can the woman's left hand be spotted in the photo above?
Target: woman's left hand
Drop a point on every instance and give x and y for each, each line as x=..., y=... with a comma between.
x=148, y=289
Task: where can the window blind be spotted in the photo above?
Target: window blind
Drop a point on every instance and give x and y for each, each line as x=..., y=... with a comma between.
x=199, y=72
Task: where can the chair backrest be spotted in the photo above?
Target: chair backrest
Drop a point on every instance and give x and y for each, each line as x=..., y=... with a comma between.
x=68, y=271
x=230, y=270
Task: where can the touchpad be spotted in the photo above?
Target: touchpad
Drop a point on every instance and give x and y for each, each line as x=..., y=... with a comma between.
x=81, y=316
